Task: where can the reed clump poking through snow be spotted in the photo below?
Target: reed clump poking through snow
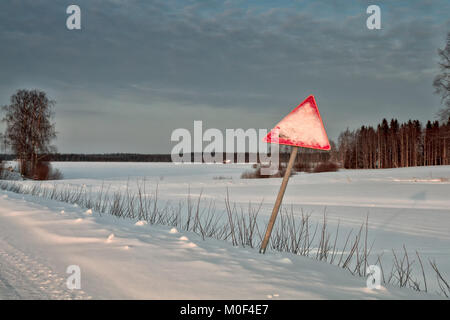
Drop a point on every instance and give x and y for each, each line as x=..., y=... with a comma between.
x=293, y=233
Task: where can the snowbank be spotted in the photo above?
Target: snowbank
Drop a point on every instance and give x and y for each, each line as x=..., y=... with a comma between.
x=120, y=260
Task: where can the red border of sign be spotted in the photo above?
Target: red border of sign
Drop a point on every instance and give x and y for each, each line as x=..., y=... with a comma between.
x=288, y=142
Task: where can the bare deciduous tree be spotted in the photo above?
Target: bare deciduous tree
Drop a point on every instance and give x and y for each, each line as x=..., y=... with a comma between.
x=441, y=82
x=29, y=128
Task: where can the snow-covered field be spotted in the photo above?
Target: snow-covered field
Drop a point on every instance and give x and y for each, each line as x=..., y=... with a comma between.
x=409, y=206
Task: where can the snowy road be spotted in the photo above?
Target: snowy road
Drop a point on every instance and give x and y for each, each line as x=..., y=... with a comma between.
x=120, y=260
x=23, y=277
x=26, y=275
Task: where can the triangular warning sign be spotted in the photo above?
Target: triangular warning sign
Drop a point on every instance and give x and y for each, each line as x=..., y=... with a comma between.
x=302, y=127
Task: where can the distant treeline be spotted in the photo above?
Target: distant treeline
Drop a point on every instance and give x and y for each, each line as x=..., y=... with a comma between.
x=393, y=144
x=133, y=157
x=110, y=157
x=106, y=157
x=306, y=156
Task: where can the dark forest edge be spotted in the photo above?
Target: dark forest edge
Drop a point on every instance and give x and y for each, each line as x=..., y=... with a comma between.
x=394, y=145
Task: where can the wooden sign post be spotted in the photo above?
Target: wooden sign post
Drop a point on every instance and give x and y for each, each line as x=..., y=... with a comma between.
x=276, y=208
x=303, y=127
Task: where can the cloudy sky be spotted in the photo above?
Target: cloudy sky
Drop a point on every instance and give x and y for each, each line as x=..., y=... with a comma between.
x=140, y=69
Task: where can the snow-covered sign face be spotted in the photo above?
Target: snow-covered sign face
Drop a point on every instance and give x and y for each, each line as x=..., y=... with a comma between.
x=303, y=127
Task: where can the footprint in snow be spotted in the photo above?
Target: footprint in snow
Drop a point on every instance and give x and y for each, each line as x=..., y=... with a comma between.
x=285, y=261
x=110, y=237
x=187, y=244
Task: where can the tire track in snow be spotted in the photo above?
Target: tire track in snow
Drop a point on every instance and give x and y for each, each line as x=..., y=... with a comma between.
x=24, y=277
x=7, y=291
